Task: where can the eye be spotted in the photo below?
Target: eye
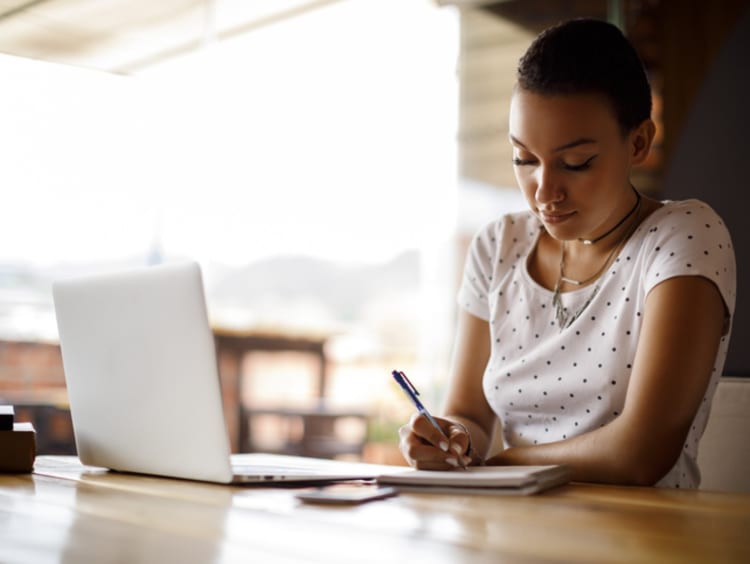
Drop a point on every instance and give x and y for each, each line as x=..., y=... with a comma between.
x=522, y=162
x=580, y=167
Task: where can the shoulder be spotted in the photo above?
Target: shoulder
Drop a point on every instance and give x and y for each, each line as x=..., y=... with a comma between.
x=688, y=238
x=685, y=214
x=494, y=247
x=501, y=242
x=685, y=226
x=507, y=230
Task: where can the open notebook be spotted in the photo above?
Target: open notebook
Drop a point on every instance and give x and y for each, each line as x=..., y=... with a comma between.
x=143, y=383
x=517, y=480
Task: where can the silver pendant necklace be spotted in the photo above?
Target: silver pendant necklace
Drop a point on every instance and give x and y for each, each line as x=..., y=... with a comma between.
x=565, y=319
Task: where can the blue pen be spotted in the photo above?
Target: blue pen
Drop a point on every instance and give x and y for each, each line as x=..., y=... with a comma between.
x=412, y=392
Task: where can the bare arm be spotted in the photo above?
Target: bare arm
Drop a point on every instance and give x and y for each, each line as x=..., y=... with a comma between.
x=465, y=404
x=680, y=336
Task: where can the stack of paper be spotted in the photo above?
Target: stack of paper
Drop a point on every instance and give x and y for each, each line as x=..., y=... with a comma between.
x=518, y=480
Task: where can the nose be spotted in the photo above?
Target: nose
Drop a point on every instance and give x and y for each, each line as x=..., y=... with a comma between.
x=549, y=190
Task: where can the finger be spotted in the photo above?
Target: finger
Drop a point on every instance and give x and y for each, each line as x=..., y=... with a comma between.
x=420, y=465
x=427, y=457
x=459, y=439
x=427, y=432
x=419, y=453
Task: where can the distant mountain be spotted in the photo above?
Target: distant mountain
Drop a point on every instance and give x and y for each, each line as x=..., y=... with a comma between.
x=342, y=289
x=285, y=292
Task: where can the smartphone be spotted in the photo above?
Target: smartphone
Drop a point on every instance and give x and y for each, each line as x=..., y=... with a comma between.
x=346, y=494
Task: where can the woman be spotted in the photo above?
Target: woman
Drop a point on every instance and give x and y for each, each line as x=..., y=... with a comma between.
x=595, y=325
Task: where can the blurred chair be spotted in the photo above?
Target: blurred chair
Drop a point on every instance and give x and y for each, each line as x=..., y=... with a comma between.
x=724, y=452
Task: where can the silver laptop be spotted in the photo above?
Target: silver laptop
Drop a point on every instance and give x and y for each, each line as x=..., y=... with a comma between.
x=143, y=385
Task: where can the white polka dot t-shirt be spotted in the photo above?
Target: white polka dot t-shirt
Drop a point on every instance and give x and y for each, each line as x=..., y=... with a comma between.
x=548, y=384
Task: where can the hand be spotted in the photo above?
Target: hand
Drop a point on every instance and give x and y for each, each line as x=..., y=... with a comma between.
x=425, y=448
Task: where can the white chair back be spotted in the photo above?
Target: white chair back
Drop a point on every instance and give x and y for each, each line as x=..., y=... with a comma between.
x=724, y=450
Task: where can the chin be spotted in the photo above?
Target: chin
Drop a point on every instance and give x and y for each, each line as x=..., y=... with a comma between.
x=560, y=233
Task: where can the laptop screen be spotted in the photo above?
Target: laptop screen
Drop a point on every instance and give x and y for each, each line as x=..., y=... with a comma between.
x=141, y=372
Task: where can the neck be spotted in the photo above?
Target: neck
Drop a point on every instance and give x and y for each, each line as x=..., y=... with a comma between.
x=563, y=279
x=618, y=224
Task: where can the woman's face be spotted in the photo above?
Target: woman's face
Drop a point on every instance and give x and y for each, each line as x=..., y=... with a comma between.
x=571, y=161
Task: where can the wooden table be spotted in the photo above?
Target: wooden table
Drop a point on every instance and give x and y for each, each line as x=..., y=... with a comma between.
x=66, y=513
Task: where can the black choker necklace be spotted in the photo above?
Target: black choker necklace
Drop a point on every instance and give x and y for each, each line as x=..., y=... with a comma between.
x=565, y=319
x=619, y=223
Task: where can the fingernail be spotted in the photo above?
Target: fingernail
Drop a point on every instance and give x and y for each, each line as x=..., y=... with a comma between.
x=465, y=460
x=443, y=446
x=452, y=461
x=457, y=449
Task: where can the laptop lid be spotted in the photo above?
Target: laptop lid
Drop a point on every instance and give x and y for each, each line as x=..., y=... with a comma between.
x=141, y=372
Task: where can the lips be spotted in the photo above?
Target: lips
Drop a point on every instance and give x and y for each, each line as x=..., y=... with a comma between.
x=555, y=218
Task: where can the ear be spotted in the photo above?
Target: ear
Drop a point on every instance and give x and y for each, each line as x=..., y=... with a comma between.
x=640, y=141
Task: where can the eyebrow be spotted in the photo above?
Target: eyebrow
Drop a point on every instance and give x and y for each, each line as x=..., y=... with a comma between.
x=566, y=146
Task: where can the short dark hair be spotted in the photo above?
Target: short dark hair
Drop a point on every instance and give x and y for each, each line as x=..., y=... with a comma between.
x=588, y=56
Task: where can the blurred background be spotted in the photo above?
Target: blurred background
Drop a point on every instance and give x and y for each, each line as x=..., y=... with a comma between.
x=325, y=161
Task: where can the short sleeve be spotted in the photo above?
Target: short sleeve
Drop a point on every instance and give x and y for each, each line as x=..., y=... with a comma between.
x=692, y=240
x=473, y=294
